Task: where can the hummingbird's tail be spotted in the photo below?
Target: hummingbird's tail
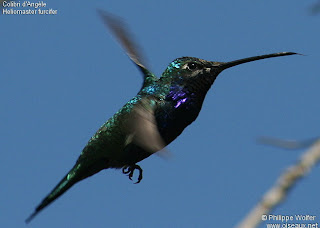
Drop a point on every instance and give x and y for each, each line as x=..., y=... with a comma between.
x=74, y=175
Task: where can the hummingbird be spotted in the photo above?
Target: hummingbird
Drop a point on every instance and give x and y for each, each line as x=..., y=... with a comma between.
x=151, y=120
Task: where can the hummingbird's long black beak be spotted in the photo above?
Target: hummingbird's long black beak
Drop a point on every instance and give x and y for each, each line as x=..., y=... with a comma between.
x=226, y=65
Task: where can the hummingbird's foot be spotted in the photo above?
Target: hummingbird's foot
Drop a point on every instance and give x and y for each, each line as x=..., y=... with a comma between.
x=130, y=170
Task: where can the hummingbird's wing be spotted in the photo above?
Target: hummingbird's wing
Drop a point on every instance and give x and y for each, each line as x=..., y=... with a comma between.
x=121, y=32
x=143, y=129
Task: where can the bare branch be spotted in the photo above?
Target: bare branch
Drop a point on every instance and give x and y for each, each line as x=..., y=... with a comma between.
x=284, y=184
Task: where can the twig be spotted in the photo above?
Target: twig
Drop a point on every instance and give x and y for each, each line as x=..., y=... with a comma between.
x=279, y=191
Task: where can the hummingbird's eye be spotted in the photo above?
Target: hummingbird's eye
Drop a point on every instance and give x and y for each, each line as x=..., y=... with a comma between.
x=193, y=66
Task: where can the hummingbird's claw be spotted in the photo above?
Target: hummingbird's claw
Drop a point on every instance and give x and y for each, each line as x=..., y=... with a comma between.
x=130, y=170
x=126, y=170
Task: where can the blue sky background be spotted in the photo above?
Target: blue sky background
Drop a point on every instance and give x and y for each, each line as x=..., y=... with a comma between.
x=62, y=76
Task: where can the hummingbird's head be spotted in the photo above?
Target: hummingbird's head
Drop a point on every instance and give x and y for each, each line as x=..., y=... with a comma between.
x=186, y=69
x=192, y=75
x=190, y=69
